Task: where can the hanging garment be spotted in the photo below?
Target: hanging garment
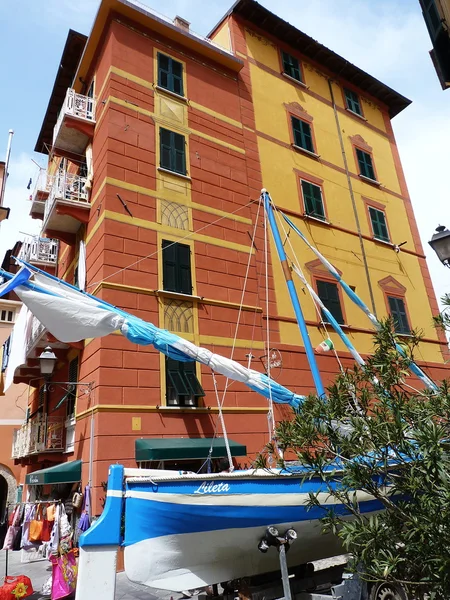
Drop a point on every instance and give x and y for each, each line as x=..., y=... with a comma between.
x=84, y=523
x=13, y=530
x=36, y=526
x=29, y=514
x=51, y=510
x=54, y=537
x=65, y=528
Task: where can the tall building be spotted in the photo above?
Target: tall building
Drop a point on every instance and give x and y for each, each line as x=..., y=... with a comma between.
x=436, y=14
x=159, y=142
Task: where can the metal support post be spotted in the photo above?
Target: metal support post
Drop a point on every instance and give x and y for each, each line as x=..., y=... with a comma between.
x=284, y=572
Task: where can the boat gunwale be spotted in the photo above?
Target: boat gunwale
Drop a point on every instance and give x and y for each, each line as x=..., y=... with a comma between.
x=254, y=474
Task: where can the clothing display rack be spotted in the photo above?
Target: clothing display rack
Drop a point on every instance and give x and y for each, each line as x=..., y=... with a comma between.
x=14, y=505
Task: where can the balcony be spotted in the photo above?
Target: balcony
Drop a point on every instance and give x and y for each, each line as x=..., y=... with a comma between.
x=42, y=252
x=40, y=194
x=67, y=206
x=75, y=125
x=40, y=434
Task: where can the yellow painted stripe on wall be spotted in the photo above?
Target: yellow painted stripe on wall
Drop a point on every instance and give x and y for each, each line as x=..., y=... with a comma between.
x=208, y=209
x=191, y=131
x=113, y=216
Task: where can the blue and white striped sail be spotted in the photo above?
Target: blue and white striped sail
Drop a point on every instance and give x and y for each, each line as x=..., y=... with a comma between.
x=71, y=315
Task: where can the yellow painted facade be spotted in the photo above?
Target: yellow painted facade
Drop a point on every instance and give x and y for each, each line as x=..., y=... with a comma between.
x=280, y=166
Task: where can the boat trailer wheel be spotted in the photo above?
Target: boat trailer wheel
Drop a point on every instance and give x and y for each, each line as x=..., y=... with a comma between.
x=387, y=591
x=272, y=537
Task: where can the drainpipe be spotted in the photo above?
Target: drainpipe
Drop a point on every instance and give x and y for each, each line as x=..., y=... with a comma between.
x=352, y=196
x=5, y=174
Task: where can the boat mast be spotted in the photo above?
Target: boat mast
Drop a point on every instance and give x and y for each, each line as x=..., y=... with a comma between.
x=293, y=294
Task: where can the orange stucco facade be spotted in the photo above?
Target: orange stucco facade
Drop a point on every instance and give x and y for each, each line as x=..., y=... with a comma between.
x=135, y=206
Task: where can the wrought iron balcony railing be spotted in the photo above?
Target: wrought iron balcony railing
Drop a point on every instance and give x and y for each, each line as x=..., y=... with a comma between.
x=40, y=193
x=75, y=105
x=74, y=124
x=41, y=251
x=40, y=434
x=67, y=189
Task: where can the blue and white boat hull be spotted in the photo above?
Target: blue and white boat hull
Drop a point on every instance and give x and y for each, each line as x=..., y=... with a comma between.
x=184, y=531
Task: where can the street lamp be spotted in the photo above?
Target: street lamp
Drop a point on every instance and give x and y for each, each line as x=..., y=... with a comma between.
x=440, y=242
x=47, y=360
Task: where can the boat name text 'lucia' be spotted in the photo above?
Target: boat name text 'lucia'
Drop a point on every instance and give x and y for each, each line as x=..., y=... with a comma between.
x=212, y=488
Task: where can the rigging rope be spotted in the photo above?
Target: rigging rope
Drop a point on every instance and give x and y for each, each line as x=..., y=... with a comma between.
x=244, y=287
x=180, y=239
x=222, y=422
x=314, y=297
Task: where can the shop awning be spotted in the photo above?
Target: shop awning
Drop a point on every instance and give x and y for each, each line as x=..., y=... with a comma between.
x=185, y=448
x=68, y=472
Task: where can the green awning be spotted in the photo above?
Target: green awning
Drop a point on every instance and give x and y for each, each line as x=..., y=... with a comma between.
x=185, y=448
x=68, y=472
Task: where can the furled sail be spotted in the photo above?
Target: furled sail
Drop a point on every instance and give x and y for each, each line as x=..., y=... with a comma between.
x=71, y=315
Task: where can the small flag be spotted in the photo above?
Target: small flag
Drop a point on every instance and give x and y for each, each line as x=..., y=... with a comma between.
x=325, y=346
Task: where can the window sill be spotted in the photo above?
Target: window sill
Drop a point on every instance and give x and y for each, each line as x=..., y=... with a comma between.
x=297, y=81
x=355, y=114
x=178, y=408
x=307, y=152
x=343, y=325
x=369, y=180
x=172, y=94
x=316, y=219
x=390, y=244
x=163, y=170
x=177, y=295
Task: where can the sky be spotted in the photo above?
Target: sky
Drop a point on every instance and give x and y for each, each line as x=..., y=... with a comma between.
x=387, y=38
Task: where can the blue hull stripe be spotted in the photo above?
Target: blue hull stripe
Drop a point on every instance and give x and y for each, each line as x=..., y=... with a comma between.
x=147, y=519
x=276, y=485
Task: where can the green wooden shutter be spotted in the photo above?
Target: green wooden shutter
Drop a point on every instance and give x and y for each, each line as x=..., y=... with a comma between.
x=329, y=294
x=184, y=279
x=176, y=267
x=379, y=226
x=398, y=313
x=291, y=66
x=170, y=74
x=172, y=151
x=352, y=101
x=302, y=134
x=183, y=387
x=365, y=164
x=169, y=256
x=177, y=77
x=179, y=153
x=165, y=137
x=163, y=71
x=312, y=196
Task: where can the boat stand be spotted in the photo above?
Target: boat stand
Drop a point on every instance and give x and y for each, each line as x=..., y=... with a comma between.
x=298, y=583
